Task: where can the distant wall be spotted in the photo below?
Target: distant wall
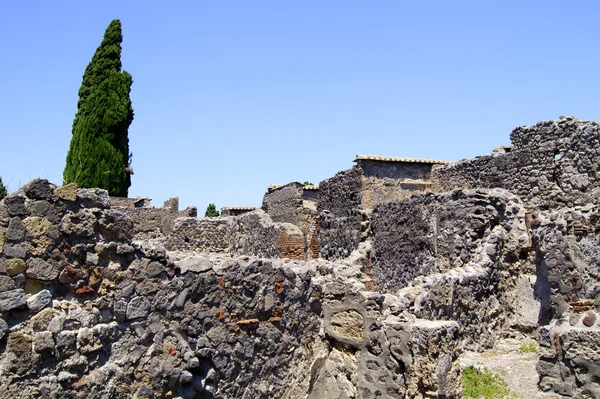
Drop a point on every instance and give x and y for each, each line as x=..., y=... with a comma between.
x=340, y=213
x=253, y=233
x=284, y=203
x=199, y=234
x=388, y=181
x=552, y=163
x=154, y=222
x=294, y=204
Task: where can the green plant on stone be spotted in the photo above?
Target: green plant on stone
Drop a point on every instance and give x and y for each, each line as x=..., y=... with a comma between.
x=307, y=183
x=483, y=384
x=529, y=346
x=3, y=189
x=211, y=211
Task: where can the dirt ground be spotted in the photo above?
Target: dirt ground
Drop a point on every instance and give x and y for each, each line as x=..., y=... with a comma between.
x=517, y=369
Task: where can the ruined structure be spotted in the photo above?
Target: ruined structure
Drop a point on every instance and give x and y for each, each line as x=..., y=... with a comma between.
x=296, y=203
x=236, y=210
x=348, y=198
x=420, y=260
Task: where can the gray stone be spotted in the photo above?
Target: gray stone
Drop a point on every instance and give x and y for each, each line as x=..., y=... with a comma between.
x=116, y=225
x=3, y=328
x=16, y=230
x=93, y=198
x=39, y=301
x=15, y=205
x=16, y=250
x=154, y=269
x=38, y=189
x=65, y=376
x=589, y=319
x=7, y=284
x=81, y=224
x=144, y=392
x=43, y=342
x=46, y=210
x=138, y=307
x=12, y=299
x=39, y=269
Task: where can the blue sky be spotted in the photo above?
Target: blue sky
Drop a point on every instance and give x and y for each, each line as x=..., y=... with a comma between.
x=232, y=96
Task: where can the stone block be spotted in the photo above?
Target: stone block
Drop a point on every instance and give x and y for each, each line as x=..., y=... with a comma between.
x=68, y=192
x=38, y=189
x=12, y=299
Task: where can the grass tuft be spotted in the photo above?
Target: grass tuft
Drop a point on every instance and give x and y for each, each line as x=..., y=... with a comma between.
x=483, y=384
x=529, y=346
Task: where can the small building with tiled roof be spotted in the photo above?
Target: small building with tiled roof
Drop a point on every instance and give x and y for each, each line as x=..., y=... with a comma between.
x=388, y=178
x=347, y=199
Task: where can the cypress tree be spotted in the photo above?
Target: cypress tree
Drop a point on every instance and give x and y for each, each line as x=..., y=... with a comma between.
x=3, y=190
x=99, y=152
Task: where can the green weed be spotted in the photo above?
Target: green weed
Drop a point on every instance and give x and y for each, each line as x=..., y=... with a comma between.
x=529, y=346
x=484, y=384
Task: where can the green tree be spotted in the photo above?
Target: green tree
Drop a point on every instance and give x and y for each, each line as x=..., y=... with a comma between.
x=3, y=190
x=99, y=152
x=307, y=183
x=211, y=211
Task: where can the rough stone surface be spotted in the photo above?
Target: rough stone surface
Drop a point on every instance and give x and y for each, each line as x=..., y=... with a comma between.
x=39, y=301
x=229, y=308
x=68, y=192
x=38, y=189
x=551, y=163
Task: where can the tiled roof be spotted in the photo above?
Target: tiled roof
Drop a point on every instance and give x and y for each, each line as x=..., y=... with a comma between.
x=239, y=208
x=398, y=159
x=310, y=187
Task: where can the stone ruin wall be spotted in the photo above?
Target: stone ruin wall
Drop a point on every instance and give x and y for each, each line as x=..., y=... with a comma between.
x=458, y=256
x=384, y=182
x=551, y=164
x=150, y=222
x=294, y=204
x=341, y=214
x=89, y=312
x=209, y=309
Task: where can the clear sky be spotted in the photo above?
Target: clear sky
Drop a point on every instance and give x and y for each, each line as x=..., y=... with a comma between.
x=232, y=96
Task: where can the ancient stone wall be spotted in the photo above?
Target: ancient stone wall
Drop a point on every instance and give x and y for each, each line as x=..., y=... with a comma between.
x=88, y=313
x=295, y=204
x=154, y=222
x=388, y=181
x=570, y=356
x=567, y=244
x=200, y=235
x=454, y=256
x=552, y=163
x=341, y=214
x=284, y=203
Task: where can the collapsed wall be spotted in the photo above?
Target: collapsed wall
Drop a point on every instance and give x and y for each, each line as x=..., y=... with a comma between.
x=553, y=163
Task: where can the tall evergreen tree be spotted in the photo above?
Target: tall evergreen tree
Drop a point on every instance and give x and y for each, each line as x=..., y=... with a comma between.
x=211, y=211
x=3, y=190
x=99, y=152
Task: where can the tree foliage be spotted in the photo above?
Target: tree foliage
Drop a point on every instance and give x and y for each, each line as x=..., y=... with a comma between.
x=3, y=190
x=211, y=211
x=99, y=152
